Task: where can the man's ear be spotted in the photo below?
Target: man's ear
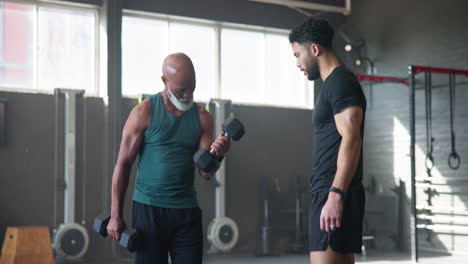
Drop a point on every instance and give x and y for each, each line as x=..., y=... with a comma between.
x=315, y=49
x=163, y=78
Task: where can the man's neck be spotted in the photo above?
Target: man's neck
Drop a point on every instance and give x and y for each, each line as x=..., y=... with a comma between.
x=327, y=64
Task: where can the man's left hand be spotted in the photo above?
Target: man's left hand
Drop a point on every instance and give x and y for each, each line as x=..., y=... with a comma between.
x=330, y=217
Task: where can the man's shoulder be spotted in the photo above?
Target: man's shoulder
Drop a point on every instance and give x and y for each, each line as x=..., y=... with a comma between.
x=144, y=107
x=205, y=116
x=203, y=112
x=343, y=75
x=343, y=81
x=141, y=113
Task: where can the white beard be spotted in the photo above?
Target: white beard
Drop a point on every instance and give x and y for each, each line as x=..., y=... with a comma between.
x=180, y=105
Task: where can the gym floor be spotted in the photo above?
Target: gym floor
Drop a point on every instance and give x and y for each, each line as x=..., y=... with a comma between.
x=373, y=257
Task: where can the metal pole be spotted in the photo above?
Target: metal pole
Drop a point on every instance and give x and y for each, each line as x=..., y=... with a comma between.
x=220, y=174
x=413, y=228
x=220, y=191
x=56, y=150
x=371, y=90
x=70, y=156
x=70, y=152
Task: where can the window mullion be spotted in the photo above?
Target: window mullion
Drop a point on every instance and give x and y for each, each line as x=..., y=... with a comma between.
x=36, y=49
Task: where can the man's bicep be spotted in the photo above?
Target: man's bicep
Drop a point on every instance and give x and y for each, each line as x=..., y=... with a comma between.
x=206, y=123
x=133, y=134
x=348, y=122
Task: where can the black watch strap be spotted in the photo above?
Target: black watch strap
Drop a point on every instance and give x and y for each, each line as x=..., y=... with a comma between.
x=338, y=191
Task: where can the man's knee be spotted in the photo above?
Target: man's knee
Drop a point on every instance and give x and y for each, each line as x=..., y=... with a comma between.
x=329, y=256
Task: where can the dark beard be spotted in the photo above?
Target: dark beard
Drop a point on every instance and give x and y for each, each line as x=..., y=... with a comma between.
x=313, y=71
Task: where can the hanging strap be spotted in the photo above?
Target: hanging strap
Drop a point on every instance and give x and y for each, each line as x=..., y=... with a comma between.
x=454, y=159
x=429, y=162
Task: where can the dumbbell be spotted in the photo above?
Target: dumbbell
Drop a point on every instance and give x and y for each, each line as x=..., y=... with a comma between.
x=204, y=159
x=128, y=239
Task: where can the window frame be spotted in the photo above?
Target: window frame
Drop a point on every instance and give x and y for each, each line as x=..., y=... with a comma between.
x=218, y=27
x=94, y=10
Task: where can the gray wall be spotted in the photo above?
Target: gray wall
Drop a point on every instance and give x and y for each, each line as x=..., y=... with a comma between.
x=277, y=146
x=27, y=163
x=398, y=34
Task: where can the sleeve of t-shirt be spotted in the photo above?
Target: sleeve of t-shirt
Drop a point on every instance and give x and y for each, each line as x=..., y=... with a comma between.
x=344, y=93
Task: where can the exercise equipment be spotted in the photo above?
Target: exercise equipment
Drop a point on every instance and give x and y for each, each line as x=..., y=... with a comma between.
x=424, y=215
x=128, y=239
x=429, y=159
x=206, y=160
x=28, y=244
x=70, y=239
x=264, y=244
x=223, y=232
x=454, y=158
x=299, y=245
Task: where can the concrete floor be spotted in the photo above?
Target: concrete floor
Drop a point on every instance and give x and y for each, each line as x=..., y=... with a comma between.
x=372, y=258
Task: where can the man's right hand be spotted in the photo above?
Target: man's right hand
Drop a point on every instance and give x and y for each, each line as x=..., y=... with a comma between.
x=115, y=227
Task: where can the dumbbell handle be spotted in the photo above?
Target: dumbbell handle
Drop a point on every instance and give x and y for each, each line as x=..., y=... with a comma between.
x=212, y=151
x=121, y=236
x=107, y=234
x=106, y=221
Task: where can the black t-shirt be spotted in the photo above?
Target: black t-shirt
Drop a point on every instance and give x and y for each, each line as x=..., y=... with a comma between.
x=340, y=91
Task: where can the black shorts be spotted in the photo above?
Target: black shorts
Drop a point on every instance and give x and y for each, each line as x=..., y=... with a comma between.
x=168, y=231
x=347, y=238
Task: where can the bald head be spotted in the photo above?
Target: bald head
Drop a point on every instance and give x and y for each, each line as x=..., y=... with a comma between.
x=178, y=65
x=179, y=80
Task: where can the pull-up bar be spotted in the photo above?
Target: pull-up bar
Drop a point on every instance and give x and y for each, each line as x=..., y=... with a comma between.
x=381, y=79
x=405, y=81
x=419, y=69
x=412, y=72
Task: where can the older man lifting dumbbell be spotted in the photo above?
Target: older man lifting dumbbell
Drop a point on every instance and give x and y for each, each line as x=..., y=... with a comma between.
x=164, y=132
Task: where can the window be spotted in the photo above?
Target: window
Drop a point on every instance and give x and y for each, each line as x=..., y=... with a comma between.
x=242, y=66
x=198, y=42
x=144, y=47
x=47, y=46
x=66, y=49
x=259, y=67
x=16, y=49
x=254, y=66
x=285, y=83
x=145, y=44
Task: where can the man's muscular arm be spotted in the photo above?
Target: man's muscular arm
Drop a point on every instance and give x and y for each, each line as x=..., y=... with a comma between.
x=220, y=146
x=348, y=124
x=132, y=137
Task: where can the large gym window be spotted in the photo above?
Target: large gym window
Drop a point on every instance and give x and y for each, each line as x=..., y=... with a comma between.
x=16, y=49
x=245, y=64
x=144, y=47
x=47, y=46
x=242, y=66
x=198, y=42
x=258, y=67
x=145, y=44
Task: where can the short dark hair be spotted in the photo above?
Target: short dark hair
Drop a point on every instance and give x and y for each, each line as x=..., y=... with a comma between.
x=313, y=30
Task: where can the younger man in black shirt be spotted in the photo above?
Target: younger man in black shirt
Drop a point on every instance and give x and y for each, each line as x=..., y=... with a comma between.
x=337, y=195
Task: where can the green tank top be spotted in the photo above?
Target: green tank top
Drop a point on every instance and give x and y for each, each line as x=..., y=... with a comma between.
x=166, y=171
